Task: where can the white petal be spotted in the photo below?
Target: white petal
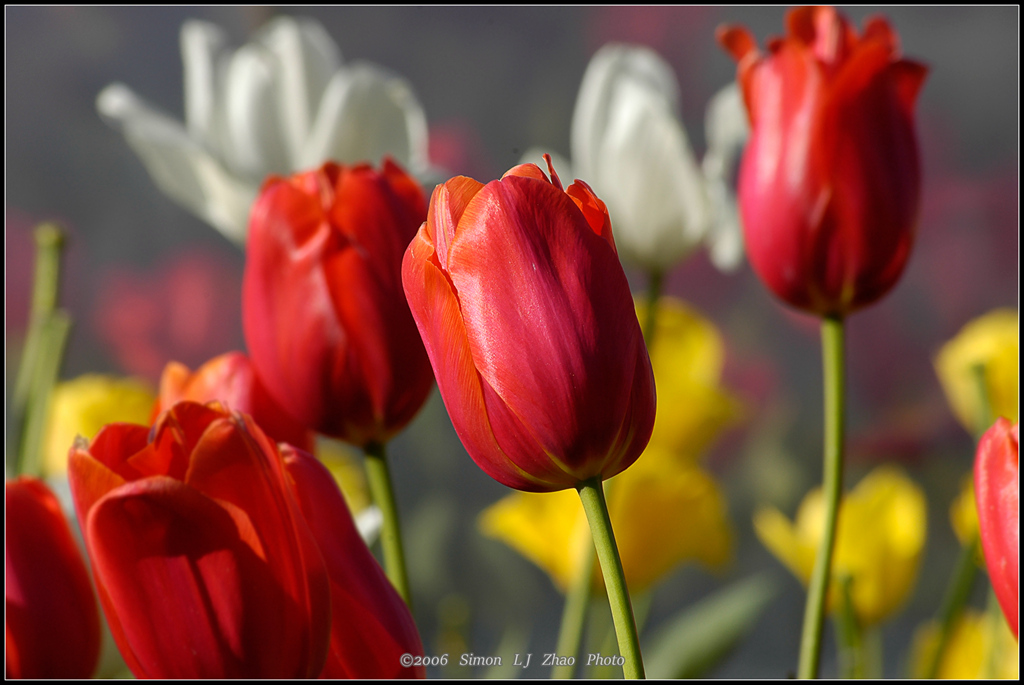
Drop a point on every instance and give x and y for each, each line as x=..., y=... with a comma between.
x=369, y=523
x=727, y=129
x=179, y=165
x=368, y=112
x=254, y=146
x=306, y=58
x=201, y=46
x=609, y=65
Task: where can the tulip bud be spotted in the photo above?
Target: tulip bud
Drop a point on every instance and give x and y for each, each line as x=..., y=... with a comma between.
x=206, y=564
x=528, y=321
x=328, y=329
x=52, y=625
x=231, y=380
x=830, y=181
x=997, y=490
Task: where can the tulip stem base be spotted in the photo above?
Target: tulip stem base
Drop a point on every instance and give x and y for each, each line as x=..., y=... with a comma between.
x=574, y=616
x=379, y=476
x=832, y=487
x=596, y=508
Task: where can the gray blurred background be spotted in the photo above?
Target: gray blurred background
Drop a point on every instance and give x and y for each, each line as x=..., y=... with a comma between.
x=147, y=282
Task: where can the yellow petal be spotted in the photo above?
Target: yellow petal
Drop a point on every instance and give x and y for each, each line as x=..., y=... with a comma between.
x=549, y=529
x=348, y=472
x=968, y=654
x=879, y=540
x=963, y=514
x=84, y=405
x=992, y=341
x=687, y=355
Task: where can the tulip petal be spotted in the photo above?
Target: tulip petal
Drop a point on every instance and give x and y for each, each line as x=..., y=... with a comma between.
x=180, y=166
x=232, y=464
x=526, y=263
x=439, y=319
x=252, y=139
x=305, y=57
x=447, y=205
x=183, y=593
x=201, y=46
x=368, y=112
x=52, y=624
x=372, y=626
x=997, y=488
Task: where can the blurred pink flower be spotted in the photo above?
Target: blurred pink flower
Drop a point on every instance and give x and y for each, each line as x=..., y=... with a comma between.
x=185, y=308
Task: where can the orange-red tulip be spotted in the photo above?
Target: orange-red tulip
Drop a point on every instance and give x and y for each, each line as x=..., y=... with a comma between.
x=206, y=563
x=528, y=321
x=231, y=380
x=830, y=181
x=327, y=326
x=997, y=492
x=52, y=626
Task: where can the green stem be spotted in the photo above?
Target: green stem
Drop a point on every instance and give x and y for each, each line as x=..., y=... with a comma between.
x=953, y=602
x=45, y=288
x=986, y=415
x=850, y=635
x=574, y=616
x=53, y=336
x=594, y=504
x=817, y=591
x=379, y=477
x=996, y=624
x=655, y=284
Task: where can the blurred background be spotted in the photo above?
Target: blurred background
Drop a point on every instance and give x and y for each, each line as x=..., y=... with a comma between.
x=147, y=282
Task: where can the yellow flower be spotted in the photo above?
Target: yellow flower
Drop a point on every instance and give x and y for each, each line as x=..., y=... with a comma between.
x=83, y=406
x=347, y=471
x=992, y=341
x=963, y=514
x=969, y=653
x=663, y=512
x=880, y=536
x=687, y=355
x=664, y=508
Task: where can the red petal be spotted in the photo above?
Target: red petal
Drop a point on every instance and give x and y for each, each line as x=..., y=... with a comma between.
x=52, y=623
x=997, y=492
x=187, y=596
x=371, y=625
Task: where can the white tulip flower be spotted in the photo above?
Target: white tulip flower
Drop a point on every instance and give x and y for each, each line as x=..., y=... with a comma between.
x=629, y=144
x=282, y=103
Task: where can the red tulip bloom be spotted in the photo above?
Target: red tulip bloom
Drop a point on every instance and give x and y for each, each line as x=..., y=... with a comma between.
x=53, y=626
x=830, y=181
x=206, y=564
x=327, y=326
x=528, y=321
x=996, y=488
x=231, y=380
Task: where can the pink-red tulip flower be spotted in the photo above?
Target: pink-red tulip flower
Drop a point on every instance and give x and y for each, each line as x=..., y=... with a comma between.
x=207, y=565
x=997, y=492
x=830, y=181
x=231, y=380
x=53, y=625
x=528, y=321
x=327, y=325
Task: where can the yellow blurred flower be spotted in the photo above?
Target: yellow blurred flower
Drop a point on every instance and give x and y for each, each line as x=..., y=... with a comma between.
x=348, y=472
x=664, y=508
x=687, y=355
x=969, y=653
x=963, y=514
x=992, y=341
x=880, y=537
x=83, y=406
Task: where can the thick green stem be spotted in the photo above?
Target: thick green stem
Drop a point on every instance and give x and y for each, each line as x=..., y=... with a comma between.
x=655, y=284
x=50, y=354
x=379, y=477
x=45, y=288
x=594, y=504
x=574, y=616
x=832, y=486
